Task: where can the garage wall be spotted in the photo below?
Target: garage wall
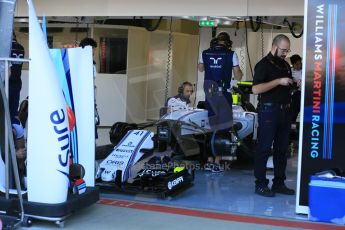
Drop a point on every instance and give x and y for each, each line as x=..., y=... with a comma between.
x=275, y=7
x=138, y=48
x=163, y=8
x=157, y=72
x=111, y=98
x=183, y=62
x=185, y=58
x=147, y=70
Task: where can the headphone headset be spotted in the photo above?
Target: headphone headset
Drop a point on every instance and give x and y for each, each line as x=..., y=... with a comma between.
x=225, y=37
x=181, y=87
x=213, y=42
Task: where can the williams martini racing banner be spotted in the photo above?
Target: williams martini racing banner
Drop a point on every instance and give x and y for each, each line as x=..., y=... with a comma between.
x=322, y=140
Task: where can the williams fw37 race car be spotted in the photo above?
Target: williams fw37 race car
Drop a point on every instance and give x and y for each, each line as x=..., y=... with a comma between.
x=134, y=167
x=159, y=158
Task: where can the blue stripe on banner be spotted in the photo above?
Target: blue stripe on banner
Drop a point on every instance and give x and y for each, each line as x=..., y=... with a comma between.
x=325, y=129
x=130, y=163
x=66, y=91
x=74, y=133
x=330, y=86
x=335, y=18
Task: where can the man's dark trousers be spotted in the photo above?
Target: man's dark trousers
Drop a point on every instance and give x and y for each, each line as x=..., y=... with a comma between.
x=274, y=127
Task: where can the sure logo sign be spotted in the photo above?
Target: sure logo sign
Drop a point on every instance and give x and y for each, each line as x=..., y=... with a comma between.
x=58, y=120
x=174, y=183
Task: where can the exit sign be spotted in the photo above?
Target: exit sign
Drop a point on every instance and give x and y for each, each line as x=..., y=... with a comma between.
x=207, y=23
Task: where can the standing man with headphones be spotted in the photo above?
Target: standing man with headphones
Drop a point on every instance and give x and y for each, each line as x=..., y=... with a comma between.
x=218, y=62
x=182, y=99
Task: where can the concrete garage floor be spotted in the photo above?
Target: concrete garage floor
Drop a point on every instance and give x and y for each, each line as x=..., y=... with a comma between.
x=216, y=201
x=108, y=217
x=231, y=191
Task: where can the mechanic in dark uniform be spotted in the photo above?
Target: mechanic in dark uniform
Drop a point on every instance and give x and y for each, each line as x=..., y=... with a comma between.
x=273, y=81
x=182, y=99
x=15, y=81
x=218, y=62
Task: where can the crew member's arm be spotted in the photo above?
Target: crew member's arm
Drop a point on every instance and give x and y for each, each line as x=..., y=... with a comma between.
x=20, y=148
x=167, y=102
x=175, y=103
x=201, y=67
x=297, y=76
x=237, y=73
x=236, y=68
x=19, y=141
x=260, y=83
x=267, y=86
x=299, y=82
